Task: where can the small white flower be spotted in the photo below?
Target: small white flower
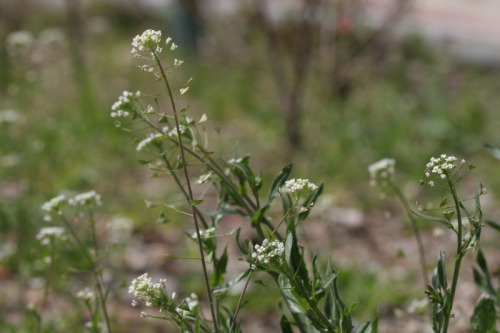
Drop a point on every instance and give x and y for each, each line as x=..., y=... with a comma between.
x=443, y=176
x=177, y=63
x=427, y=174
x=49, y=234
x=143, y=314
x=462, y=163
x=183, y=90
x=167, y=41
x=173, y=47
x=431, y=183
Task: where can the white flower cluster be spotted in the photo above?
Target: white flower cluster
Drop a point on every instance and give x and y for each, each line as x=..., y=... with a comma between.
x=49, y=234
x=86, y=294
x=442, y=166
x=54, y=204
x=207, y=233
x=382, y=169
x=145, y=290
x=122, y=107
x=204, y=178
x=19, y=41
x=418, y=306
x=9, y=116
x=192, y=302
x=86, y=198
x=269, y=252
x=151, y=137
x=301, y=188
x=173, y=132
x=147, y=42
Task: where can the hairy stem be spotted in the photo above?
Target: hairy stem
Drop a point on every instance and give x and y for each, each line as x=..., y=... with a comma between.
x=190, y=192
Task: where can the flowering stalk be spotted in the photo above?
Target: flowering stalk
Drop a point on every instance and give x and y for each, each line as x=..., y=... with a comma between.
x=190, y=192
x=383, y=172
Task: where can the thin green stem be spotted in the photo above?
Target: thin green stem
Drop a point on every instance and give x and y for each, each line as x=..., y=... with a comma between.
x=233, y=325
x=190, y=192
x=458, y=255
x=416, y=231
x=46, y=288
x=94, y=271
x=284, y=218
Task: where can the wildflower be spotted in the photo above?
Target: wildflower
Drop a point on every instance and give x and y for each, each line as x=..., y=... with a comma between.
x=54, y=204
x=418, y=306
x=19, y=41
x=207, y=233
x=269, y=252
x=431, y=183
x=173, y=132
x=443, y=166
x=141, y=145
x=203, y=119
x=9, y=116
x=167, y=41
x=382, y=169
x=300, y=188
x=143, y=314
x=123, y=106
x=484, y=191
x=86, y=294
x=145, y=290
x=204, y=178
x=177, y=63
x=49, y=234
x=183, y=90
x=173, y=47
x=86, y=198
x=146, y=41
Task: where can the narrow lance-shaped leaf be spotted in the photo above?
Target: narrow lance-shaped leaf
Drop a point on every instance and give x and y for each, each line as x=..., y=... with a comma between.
x=225, y=286
x=493, y=225
x=495, y=152
x=432, y=218
x=278, y=181
x=444, y=202
x=442, y=272
x=484, y=318
x=365, y=328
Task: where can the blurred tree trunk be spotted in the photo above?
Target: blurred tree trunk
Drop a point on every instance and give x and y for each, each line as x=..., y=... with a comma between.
x=291, y=90
x=191, y=23
x=13, y=15
x=75, y=28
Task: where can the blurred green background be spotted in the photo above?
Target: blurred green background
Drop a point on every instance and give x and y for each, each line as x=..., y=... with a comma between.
x=331, y=95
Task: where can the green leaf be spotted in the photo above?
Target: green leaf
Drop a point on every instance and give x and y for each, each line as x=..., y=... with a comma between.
x=493, y=225
x=472, y=167
x=328, y=280
x=293, y=303
x=226, y=285
x=184, y=109
x=441, y=271
x=483, y=283
x=484, y=317
x=197, y=325
x=220, y=268
x=207, y=154
x=479, y=213
x=464, y=209
x=238, y=242
x=172, y=256
x=209, y=257
x=495, y=152
x=375, y=325
x=247, y=173
x=195, y=202
x=313, y=197
x=448, y=215
x=278, y=181
x=435, y=280
x=444, y=202
x=257, y=217
x=162, y=219
x=365, y=328
x=184, y=306
x=262, y=284
x=143, y=162
x=432, y=218
x=285, y=325
x=288, y=250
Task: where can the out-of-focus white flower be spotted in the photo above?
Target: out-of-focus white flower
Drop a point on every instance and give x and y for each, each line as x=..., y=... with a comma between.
x=86, y=294
x=183, y=90
x=54, y=204
x=383, y=169
x=418, y=306
x=9, y=116
x=86, y=199
x=49, y=234
x=19, y=41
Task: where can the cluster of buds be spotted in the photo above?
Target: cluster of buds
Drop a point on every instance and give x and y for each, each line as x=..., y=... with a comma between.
x=204, y=234
x=441, y=167
x=147, y=42
x=300, y=188
x=49, y=235
x=54, y=205
x=86, y=198
x=146, y=291
x=86, y=295
x=381, y=170
x=151, y=138
x=269, y=252
x=123, y=106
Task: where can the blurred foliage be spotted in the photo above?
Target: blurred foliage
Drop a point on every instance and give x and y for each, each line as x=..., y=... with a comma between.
x=410, y=104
